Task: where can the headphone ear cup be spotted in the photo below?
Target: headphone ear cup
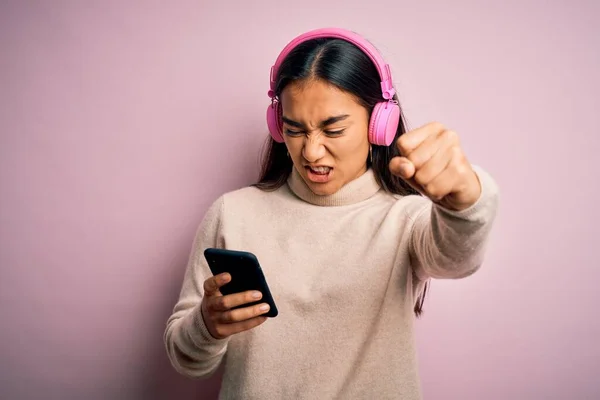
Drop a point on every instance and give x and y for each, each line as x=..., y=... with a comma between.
x=384, y=123
x=274, y=122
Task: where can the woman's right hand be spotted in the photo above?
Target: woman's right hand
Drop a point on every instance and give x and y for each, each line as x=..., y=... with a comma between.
x=219, y=318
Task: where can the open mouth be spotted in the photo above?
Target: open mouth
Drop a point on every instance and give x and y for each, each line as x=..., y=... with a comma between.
x=319, y=174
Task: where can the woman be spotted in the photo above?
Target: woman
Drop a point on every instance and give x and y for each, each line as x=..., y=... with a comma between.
x=350, y=219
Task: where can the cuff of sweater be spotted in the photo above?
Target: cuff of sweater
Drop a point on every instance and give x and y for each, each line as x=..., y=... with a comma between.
x=485, y=205
x=197, y=331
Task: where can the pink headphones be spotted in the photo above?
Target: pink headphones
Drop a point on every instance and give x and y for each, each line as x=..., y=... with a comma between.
x=386, y=114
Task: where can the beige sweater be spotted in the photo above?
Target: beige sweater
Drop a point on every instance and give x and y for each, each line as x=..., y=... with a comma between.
x=340, y=269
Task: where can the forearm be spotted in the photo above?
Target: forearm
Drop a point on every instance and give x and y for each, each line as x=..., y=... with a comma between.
x=191, y=349
x=452, y=244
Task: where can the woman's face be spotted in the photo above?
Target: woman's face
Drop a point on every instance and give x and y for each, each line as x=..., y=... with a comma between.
x=326, y=133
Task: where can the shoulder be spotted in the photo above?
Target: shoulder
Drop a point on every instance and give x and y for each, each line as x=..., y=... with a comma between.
x=246, y=198
x=249, y=195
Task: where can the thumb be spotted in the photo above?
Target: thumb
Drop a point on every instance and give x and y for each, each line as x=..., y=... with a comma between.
x=402, y=167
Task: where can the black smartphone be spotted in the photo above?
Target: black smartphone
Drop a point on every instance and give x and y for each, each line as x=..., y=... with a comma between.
x=246, y=274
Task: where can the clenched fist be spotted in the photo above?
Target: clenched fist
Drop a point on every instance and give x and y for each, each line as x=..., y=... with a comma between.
x=432, y=161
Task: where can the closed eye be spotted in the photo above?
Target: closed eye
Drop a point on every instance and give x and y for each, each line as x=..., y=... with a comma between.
x=291, y=132
x=335, y=133
x=302, y=128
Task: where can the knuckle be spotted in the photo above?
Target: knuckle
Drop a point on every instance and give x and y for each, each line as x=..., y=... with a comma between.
x=457, y=153
x=220, y=330
x=449, y=135
x=209, y=303
x=221, y=303
x=436, y=125
x=459, y=162
x=433, y=191
x=421, y=178
x=212, y=308
x=205, y=304
x=206, y=311
x=461, y=169
x=414, y=158
x=402, y=143
x=227, y=317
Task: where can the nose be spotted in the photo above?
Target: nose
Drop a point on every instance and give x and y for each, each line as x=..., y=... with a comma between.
x=313, y=149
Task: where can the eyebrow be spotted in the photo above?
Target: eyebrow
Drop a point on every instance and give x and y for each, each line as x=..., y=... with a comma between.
x=328, y=121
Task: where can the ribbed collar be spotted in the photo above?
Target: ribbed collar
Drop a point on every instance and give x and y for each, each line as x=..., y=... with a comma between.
x=361, y=188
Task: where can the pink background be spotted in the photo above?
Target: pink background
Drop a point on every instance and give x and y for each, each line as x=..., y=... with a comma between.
x=121, y=121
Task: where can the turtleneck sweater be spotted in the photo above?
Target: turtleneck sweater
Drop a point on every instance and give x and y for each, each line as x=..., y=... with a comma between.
x=344, y=270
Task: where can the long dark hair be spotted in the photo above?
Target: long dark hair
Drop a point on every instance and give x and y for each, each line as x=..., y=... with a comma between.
x=347, y=67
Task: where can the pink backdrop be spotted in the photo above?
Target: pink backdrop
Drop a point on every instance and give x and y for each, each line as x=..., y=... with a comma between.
x=121, y=121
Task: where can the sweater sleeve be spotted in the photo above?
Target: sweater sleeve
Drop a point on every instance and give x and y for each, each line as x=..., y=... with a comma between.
x=192, y=350
x=450, y=244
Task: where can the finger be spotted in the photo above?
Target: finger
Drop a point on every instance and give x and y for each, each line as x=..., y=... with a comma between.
x=409, y=141
x=427, y=149
x=224, y=303
x=441, y=186
x=402, y=167
x=214, y=283
x=243, y=314
x=434, y=165
x=237, y=327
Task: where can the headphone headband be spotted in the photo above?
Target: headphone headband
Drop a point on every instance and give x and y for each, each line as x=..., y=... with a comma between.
x=387, y=88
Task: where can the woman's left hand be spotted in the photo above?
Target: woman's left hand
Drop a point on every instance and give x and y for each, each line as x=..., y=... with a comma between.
x=432, y=162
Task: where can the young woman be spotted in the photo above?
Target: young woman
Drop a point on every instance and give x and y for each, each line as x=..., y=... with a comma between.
x=351, y=217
